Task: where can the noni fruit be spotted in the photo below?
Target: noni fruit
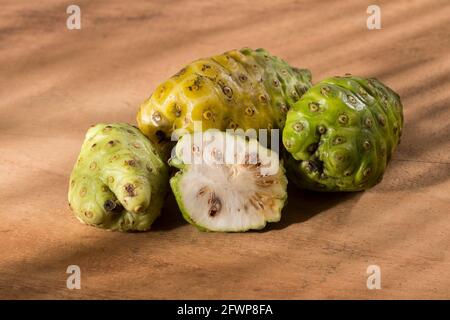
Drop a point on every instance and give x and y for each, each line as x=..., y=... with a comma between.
x=246, y=89
x=341, y=134
x=119, y=181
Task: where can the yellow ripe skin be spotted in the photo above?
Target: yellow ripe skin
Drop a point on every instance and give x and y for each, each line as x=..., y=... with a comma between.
x=246, y=89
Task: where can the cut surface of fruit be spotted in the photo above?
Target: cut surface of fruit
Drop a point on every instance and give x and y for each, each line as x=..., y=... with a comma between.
x=227, y=183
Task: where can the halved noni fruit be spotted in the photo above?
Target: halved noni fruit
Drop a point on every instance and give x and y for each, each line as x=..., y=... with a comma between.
x=226, y=182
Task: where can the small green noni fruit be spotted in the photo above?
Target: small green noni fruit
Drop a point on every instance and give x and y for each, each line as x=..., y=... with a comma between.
x=342, y=133
x=227, y=183
x=245, y=89
x=119, y=181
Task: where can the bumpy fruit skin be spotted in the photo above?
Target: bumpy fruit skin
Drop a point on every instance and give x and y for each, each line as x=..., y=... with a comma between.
x=342, y=133
x=215, y=195
x=119, y=181
x=238, y=89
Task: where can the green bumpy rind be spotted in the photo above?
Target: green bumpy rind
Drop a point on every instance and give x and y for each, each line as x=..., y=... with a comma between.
x=245, y=89
x=342, y=133
x=119, y=181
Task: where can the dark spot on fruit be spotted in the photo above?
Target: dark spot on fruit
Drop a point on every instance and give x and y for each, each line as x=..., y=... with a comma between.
x=207, y=114
x=381, y=120
x=249, y=111
x=368, y=123
x=94, y=145
x=343, y=119
x=351, y=99
x=177, y=110
x=130, y=189
x=366, y=145
x=89, y=214
x=215, y=204
x=227, y=91
x=338, y=140
x=325, y=90
x=367, y=172
x=276, y=83
x=313, y=106
x=298, y=126
x=109, y=205
x=284, y=108
x=243, y=77
x=196, y=85
x=321, y=129
x=395, y=129
x=131, y=163
x=156, y=117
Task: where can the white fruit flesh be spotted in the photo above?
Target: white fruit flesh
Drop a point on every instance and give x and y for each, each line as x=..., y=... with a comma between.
x=218, y=195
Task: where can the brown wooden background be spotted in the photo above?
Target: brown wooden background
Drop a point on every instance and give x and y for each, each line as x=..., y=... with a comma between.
x=55, y=83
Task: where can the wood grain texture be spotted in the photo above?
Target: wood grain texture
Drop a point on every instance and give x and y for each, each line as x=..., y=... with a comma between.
x=55, y=83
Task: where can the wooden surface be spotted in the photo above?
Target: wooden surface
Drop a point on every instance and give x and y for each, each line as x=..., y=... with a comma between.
x=55, y=83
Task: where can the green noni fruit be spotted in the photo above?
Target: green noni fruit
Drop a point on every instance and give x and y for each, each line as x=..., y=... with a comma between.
x=342, y=133
x=119, y=181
